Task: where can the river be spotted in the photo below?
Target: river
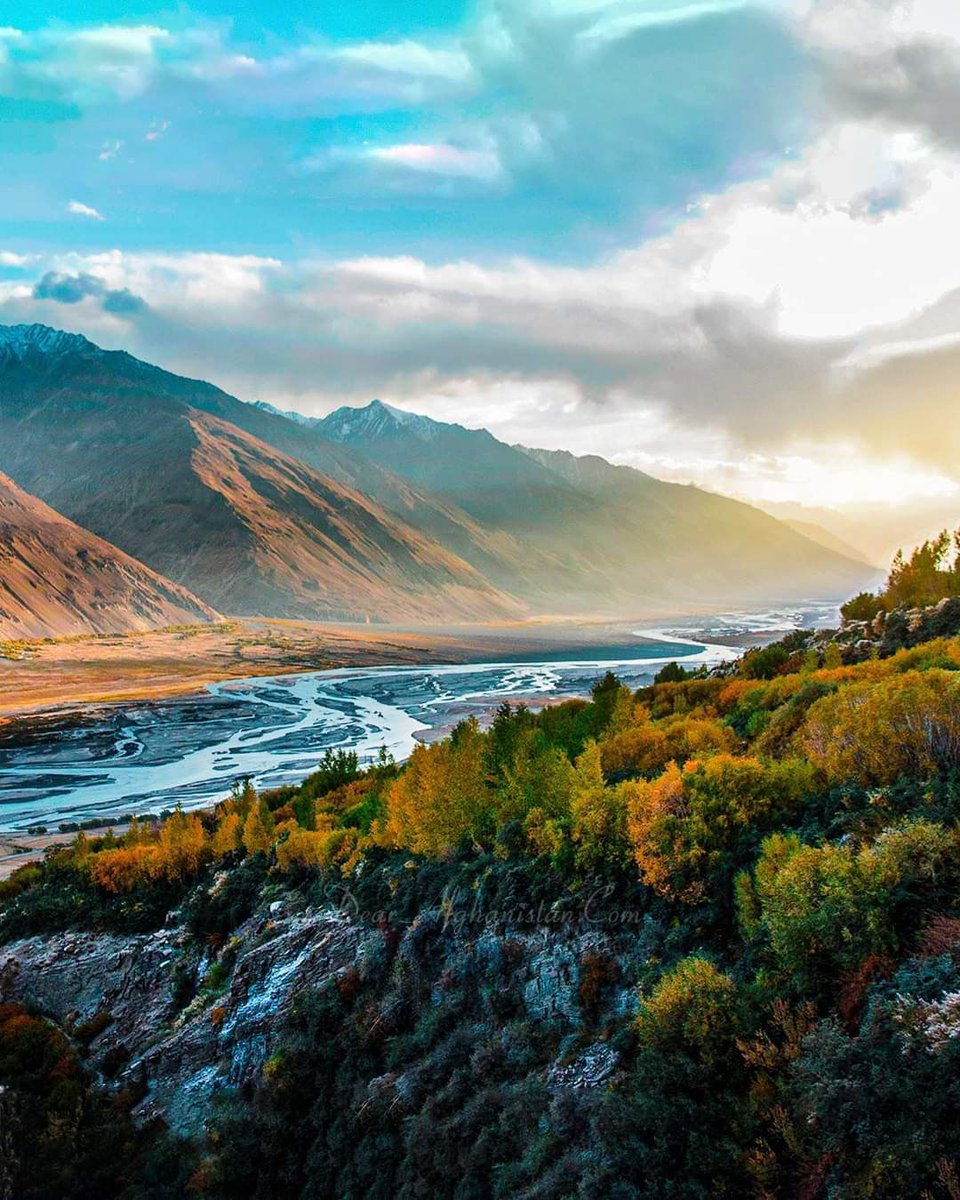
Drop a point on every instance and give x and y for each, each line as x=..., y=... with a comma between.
x=145, y=757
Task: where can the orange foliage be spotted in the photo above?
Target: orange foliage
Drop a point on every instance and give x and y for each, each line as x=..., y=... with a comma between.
x=683, y=823
x=181, y=847
x=124, y=869
x=178, y=852
x=646, y=748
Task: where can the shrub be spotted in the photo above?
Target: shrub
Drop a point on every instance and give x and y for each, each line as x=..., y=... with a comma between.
x=689, y=826
x=875, y=732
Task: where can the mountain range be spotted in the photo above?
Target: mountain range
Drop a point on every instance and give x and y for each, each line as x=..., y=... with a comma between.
x=370, y=513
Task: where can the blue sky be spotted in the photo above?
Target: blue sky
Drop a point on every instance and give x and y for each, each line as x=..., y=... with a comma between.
x=301, y=128
x=711, y=238
x=369, y=19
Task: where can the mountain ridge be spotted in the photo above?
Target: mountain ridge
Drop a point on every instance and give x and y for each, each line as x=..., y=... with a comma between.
x=581, y=515
x=115, y=444
x=58, y=579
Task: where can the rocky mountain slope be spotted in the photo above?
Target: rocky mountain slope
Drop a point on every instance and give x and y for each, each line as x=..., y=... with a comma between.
x=150, y=1019
x=57, y=579
x=371, y=512
x=594, y=533
x=119, y=447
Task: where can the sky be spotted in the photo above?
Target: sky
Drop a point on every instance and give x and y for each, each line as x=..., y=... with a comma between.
x=712, y=239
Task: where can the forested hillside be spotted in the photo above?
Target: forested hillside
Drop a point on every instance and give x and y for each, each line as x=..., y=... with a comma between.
x=697, y=940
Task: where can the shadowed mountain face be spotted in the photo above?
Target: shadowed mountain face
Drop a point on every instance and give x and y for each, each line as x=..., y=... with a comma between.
x=57, y=579
x=371, y=512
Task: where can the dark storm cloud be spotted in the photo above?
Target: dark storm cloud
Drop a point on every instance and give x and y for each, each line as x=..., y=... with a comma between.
x=72, y=289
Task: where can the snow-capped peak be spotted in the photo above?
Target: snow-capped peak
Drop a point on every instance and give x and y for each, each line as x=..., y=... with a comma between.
x=17, y=341
x=375, y=420
x=272, y=409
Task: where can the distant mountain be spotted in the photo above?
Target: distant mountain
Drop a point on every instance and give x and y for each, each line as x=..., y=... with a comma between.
x=151, y=462
x=371, y=512
x=297, y=418
x=493, y=482
x=556, y=551
x=717, y=541
x=57, y=579
x=597, y=537
x=823, y=537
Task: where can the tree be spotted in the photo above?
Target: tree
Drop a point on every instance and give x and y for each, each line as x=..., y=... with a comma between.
x=694, y=1008
x=863, y=607
x=605, y=694
x=442, y=798
x=672, y=673
x=688, y=826
x=181, y=846
x=315, y=848
x=258, y=830
x=538, y=776
x=821, y=908
x=228, y=835
x=874, y=732
x=123, y=869
x=646, y=747
x=598, y=816
x=929, y=575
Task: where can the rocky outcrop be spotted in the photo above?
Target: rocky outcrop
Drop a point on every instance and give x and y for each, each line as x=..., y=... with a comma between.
x=899, y=629
x=124, y=999
x=163, y=1016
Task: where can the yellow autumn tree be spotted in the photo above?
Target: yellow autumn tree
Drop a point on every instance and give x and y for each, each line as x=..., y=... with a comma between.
x=442, y=797
x=876, y=731
x=258, y=830
x=228, y=835
x=316, y=848
x=181, y=847
x=693, y=1009
x=645, y=747
x=598, y=815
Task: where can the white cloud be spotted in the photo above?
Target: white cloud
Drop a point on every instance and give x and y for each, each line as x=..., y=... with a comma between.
x=84, y=210
x=894, y=59
x=91, y=64
x=620, y=19
x=441, y=159
x=94, y=65
x=796, y=336
x=409, y=58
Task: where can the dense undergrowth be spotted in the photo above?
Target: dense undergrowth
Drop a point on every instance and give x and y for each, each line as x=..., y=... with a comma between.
x=774, y=853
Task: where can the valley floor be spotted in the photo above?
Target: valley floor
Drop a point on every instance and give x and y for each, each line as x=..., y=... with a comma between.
x=43, y=680
x=53, y=675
